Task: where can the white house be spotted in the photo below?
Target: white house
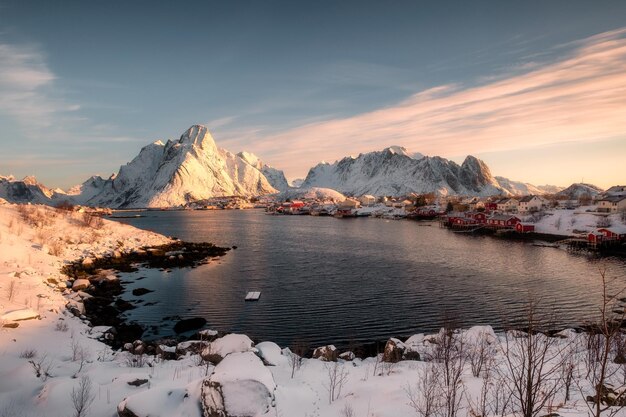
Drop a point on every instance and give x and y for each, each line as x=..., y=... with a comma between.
x=612, y=204
x=531, y=203
x=367, y=200
x=508, y=204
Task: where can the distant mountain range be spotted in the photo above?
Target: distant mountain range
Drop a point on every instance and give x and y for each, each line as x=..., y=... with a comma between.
x=393, y=171
x=193, y=168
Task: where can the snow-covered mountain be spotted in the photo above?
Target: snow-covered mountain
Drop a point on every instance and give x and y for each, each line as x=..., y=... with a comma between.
x=393, y=171
x=274, y=176
x=518, y=187
x=29, y=190
x=177, y=172
x=577, y=190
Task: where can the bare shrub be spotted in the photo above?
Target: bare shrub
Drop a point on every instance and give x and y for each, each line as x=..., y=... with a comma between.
x=12, y=290
x=61, y=326
x=82, y=397
x=450, y=355
x=65, y=206
x=347, y=411
x=532, y=363
x=42, y=367
x=601, y=341
x=479, y=405
x=297, y=352
x=500, y=398
x=93, y=220
x=424, y=396
x=337, y=378
x=480, y=353
x=28, y=354
x=56, y=248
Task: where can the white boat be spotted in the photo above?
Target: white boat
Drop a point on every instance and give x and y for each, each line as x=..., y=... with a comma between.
x=253, y=296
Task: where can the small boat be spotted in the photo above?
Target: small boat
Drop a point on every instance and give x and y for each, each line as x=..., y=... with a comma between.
x=253, y=296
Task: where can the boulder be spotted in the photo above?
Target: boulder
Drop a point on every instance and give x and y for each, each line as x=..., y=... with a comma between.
x=326, y=353
x=80, y=284
x=138, y=292
x=394, y=351
x=231, y=343
x=187, y=325
x=347, y=356
x=239, y=386
x=167, y=353
x=271, y=354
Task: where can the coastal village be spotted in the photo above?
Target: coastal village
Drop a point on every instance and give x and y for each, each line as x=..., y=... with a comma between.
x=595, y=222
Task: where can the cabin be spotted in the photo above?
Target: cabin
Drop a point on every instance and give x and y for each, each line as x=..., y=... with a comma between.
x=477, y=216
x=502, y=221
x=595, y=237
x=612, y=204
x=531, y=203
x=524, y=227
x=614, y=233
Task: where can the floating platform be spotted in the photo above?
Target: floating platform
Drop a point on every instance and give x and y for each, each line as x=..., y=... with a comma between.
x=253, y=296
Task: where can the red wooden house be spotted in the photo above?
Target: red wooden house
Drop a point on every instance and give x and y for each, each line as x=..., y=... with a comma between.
x=502, y=221
x=477, y=216
x=524, y=227
x=595, y=237
x=613, y=233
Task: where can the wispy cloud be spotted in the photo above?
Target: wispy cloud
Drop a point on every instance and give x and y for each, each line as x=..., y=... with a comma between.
x=26, y=87
x=580, y=97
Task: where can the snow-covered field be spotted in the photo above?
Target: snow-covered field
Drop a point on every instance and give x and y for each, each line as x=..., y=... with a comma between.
x=52, y=364
x=583, y=219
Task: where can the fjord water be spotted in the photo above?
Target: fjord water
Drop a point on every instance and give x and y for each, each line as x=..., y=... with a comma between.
x=326, y=280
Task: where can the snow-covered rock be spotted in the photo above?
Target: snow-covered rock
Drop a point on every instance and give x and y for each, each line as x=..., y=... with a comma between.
x=271, y=353
x=394, y=350
x=326, y=353
x=239, y=386
x=231, y=343
x=19, y=315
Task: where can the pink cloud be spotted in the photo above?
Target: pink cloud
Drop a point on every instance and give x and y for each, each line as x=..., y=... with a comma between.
x=582, y=97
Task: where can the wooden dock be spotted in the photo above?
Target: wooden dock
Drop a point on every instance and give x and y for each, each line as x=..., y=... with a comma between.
x=253, y=296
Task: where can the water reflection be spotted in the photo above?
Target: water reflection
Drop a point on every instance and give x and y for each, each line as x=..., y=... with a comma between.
x=328, y=280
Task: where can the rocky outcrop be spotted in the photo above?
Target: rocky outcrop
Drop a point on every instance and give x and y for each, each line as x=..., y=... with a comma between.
x=326, y=353
x=394, y=350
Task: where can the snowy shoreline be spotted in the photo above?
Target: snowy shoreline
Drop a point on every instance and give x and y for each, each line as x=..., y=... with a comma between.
x=47, y=360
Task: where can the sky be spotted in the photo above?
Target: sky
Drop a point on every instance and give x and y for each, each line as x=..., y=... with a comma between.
x=536, y=89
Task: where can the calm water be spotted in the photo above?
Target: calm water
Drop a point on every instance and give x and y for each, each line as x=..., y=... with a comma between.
x=329, y=280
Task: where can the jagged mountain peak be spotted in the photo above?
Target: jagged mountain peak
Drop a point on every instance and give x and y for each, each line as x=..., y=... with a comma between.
x=189, y=169
x=399, y=150
x=198, y=135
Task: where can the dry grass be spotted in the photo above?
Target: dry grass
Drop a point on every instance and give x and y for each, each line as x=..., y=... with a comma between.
x=56, y=248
